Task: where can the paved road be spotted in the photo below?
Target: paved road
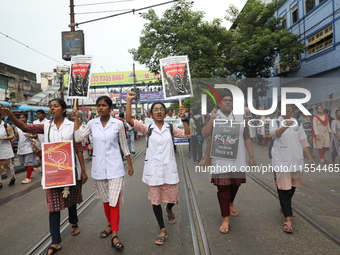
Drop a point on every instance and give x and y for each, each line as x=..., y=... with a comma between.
x=257, y=230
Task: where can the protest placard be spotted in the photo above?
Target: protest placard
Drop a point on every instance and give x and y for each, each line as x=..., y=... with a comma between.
x=176, y=78
x=58, y=169
x=79, y=82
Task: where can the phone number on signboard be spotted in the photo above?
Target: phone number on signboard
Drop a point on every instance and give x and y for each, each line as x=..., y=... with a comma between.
x=118, y=77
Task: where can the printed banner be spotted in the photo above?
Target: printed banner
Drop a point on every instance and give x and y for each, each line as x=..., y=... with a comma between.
x=126, y=78
x=58, y=167
x=79, y=82
x=179, y=124
x=176, y=78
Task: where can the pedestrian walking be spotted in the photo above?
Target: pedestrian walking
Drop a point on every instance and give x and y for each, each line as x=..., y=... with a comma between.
x=57, y=130
x=131, y=137
x=335, y=127
x=321, y=132
x=26, y=155
x=228, y=183
x=160, y=170
x=108, y=137
x=196, y=139
x=6, y=152
x=41, y=119
x=287, y=160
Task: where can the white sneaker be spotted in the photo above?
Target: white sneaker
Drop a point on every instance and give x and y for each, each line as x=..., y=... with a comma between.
x=322, y=160
x=26, y=181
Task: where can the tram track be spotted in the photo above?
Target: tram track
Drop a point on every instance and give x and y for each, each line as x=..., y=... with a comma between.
x=199, y=237
x=320, y=227
x=44, y=241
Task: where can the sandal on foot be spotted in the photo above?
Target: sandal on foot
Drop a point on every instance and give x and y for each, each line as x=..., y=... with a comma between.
x=225, y=230
x=287, y=227
x=171, y=219
x=104, y=233
x=12, y=182
x=54, y=250
x=161, y=239
x=118, y=245
x=74, y=227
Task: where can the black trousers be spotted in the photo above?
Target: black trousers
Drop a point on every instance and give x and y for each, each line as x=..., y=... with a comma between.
x=285, y=197
x=54, y=220
x=196, y=148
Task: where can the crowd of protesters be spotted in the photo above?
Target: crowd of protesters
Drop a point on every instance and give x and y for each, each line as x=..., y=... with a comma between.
x=312, y=135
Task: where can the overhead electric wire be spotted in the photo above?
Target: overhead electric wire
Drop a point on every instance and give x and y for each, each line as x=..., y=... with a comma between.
x=31, y=48
x=104, y=3
x=101, y=11
x=111, y=16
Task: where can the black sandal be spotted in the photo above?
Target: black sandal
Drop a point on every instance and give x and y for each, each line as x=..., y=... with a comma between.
x=12, y=182
x=1, y=186
x=118, y=245
x=54, y=250
x=74, y=227
x=104, y=233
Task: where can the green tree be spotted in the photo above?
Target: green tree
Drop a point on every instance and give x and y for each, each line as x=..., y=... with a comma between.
x=258, y=38
x=181, y=31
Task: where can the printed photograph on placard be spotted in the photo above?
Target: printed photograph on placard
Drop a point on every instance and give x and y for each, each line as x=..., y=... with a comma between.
x=79, y=82
x=176, y=78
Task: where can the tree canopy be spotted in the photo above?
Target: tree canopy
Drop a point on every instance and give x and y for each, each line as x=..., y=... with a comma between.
x=247, y=50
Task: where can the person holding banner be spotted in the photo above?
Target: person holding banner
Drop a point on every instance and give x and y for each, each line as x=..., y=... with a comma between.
x=228, y=151
x=60, y=129
x=160, y=169
x=108, y=136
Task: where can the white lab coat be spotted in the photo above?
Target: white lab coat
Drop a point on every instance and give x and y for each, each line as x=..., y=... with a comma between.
x=6, y=150
x=41, y=136
x=64, y=133
x=160, y=163
x=24, y=144
x=107, y=161
x=287, y=151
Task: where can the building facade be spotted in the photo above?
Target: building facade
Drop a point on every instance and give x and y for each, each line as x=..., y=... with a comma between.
x=317, y=22
x=17, y=85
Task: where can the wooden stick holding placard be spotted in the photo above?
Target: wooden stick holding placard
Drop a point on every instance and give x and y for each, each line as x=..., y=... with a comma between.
x=75, y=104
x=180, y=102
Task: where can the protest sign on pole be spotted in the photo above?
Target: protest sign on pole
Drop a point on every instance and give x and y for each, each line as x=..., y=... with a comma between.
x=176, y=78
x=79, y=82
x=58, y=169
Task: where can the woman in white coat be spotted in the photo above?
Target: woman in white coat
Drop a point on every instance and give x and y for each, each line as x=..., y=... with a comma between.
x=60, y=129
x=160, y=169
x=108, y=136
x=287, y=160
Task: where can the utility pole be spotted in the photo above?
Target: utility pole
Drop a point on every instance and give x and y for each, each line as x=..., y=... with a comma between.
x=72, y=21
x=135, y=88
